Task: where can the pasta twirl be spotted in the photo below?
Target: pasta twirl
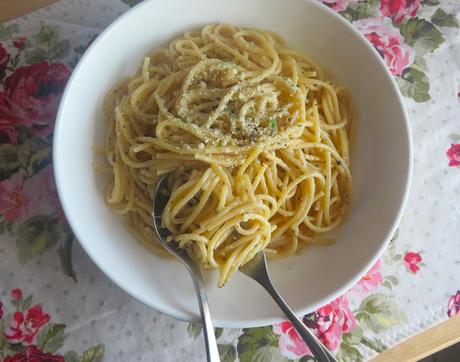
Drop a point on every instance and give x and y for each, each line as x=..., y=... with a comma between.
x=255, y=139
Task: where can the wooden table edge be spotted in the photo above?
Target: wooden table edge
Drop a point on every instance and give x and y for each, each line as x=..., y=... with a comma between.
x=11, y=9
x=423, y=344
x=412, y=349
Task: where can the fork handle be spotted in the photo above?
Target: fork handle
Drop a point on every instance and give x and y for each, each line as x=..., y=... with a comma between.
x=212, y=353
x=320, y=352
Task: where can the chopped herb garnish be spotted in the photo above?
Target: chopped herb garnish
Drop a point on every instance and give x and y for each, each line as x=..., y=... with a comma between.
x=272, y=124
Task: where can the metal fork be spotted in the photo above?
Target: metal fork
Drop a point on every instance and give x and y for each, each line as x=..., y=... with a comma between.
x=159, y=202
x=256, y=269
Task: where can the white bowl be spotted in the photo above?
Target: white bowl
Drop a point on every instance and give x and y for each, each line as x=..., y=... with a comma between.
x=381, y=160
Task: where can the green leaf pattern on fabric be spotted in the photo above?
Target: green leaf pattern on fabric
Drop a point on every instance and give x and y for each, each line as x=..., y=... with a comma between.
x=51, y=338
x=414, y=84
x=46, y=45
x=93, y=354
x=422, y=35
x=65, y=254
x=60, y=49
x=194, y=330
x=441, y=18
x=26, y=303
x=227, y=352
x=9, y=162
x=378, y=312
x=430, y=2
x=349, y=353
x=36, y=55
x=71, y=356
x=36, y=235
x=218, y=332
x=7, y=31
x=361, y=10
x=47, y=36
x=259, y=344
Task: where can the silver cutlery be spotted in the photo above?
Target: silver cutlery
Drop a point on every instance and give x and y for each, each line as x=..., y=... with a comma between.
x=256, y=269
x=159, y=202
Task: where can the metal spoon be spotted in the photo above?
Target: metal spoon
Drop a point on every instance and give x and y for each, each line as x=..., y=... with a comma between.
x=159, y=202
x=256, y=269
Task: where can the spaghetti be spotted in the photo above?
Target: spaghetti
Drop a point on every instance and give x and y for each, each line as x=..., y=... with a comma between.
x=256, y=141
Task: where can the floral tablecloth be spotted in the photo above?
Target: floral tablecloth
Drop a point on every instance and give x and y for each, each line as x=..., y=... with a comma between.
x=55, y=305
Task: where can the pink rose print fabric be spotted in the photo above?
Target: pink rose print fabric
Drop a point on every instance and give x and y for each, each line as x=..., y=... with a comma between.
x=338, y=5
x=8, y=131
x=412, y=261
x=329, y=323
x=453, y=154
x=368, y=283
x=417, y=41
x=290, y=343
x=453, y=307
x=29, y=335
x=4, y=60
x=20, y=42
x=33, y=354
x=15, y=200
x=398, y=10
x=25, y=326
x=388, y=42
x=21, y=197
x=31, y=95
x=16, y=295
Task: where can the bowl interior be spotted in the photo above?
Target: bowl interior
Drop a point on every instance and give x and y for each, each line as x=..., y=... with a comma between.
x=381, y=155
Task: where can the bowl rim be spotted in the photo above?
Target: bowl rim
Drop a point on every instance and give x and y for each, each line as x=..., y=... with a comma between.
x=234, y=323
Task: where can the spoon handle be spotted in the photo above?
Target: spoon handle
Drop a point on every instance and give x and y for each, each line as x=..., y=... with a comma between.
x=212, y=352
x=320, y=352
